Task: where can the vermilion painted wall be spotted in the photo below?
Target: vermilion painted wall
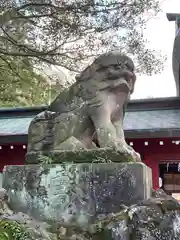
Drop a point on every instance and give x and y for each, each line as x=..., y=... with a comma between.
x=154, y=153
x=151, y=154
x=10, y=156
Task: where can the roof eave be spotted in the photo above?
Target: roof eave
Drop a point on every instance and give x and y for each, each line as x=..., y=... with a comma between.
x=133, y=105
x=129, y=134
x=172, y=16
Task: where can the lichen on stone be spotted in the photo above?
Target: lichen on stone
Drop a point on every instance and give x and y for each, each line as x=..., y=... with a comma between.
x=80, y=156
x=142, y=221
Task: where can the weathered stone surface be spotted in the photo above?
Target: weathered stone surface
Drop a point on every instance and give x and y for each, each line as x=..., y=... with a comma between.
x=19, y=226
x=79, y=156
x=78, y=193
x=141, y=221
x=90, y=113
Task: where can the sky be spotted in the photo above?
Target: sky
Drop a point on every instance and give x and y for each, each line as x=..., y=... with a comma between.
x=160, y=33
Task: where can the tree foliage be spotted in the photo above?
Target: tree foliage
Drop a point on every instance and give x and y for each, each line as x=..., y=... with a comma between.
x=21, y=86
x=70, y=33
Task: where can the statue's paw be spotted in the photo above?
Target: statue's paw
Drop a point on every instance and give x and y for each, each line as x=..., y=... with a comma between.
x=124, y=148
x=136, y=156
x=110, y=144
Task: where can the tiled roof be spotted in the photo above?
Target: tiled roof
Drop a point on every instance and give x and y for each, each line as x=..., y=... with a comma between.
x=14, y=125
x=135, y=120
x=154, y=119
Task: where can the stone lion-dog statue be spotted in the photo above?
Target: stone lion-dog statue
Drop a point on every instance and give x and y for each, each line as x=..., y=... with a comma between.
x=90, y=113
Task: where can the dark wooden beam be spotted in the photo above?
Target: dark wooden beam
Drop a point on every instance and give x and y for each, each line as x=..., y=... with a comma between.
x=14, y=139
x=172, y=16
x=133, y=105
x=22, y=111
x=154, y=104
x=158, y=133
x=129, y=134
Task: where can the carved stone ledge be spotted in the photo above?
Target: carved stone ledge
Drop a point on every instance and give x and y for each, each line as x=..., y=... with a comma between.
x=79, y=156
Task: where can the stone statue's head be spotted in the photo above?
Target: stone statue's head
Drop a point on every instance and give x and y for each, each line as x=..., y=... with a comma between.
x=111, y=70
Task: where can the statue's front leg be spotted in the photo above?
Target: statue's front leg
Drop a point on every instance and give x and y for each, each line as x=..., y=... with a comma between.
x=119, y=131
x=105, y=130
x=122, y=144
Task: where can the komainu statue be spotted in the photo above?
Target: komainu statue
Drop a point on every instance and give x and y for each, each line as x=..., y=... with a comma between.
x=88, y=115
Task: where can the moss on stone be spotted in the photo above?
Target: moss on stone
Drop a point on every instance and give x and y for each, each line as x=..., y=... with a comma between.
x=80, y=156
x=11, y=230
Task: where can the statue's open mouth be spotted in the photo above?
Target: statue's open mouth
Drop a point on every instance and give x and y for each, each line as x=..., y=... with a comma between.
x=120, y=85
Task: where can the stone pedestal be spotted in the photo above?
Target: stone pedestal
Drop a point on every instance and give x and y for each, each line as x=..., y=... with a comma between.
x=75, y=192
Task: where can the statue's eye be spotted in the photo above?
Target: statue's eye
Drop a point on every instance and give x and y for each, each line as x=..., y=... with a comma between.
x=129, y=67
x=101, y=68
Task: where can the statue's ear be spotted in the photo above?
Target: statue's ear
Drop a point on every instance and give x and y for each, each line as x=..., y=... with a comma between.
x=77, y=77
x=133, y=82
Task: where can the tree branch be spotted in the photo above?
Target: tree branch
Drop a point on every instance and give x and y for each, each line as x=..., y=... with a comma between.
x=11, y=68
